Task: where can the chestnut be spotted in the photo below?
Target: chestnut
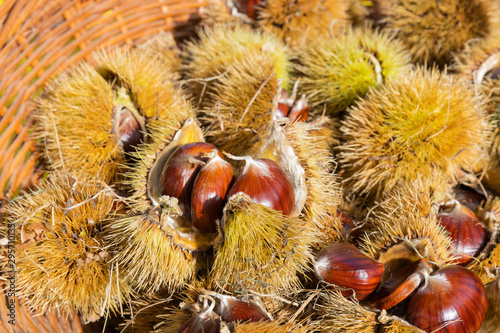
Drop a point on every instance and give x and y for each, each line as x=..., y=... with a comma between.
x=469, y=235
x=289, y=107
x=349, y=228
x=452, y=299
x=181, y=169
x=300, y=111
x=344, y=265
x=265, y=183
x=283, y=105
x=128, y=128
x=209, y=192
x=249, y=7
x=232, y=309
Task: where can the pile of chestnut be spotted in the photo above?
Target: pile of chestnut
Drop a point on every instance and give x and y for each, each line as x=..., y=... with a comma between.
x=427, y=296
x=199, y=177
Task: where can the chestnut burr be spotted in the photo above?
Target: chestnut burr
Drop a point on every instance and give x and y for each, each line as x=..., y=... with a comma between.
x=198, y=324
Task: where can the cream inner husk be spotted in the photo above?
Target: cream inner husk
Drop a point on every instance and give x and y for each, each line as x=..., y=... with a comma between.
x=489, y=64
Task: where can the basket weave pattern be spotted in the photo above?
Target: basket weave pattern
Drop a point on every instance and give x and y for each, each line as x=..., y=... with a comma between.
x=46, y=323
x=41, y=38
x=38, y=40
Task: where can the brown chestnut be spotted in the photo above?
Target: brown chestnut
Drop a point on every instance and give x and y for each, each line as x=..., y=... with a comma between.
x=265, y=183
x=181, y=170
x=249, y=7
x=289, y=107
x=283, y=105
x=452, y=299
x=350, y=230
x=469, y=235
x=128, y=128
x=300, y=111
x=209, y=192
x=232, y=309
x=344, y=265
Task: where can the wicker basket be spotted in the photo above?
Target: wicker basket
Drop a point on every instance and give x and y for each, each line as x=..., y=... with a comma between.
x=26, y=321
x=38, y=40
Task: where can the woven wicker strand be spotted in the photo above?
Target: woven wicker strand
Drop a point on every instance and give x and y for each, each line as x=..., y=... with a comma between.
x=39, y=39
x=26, y=321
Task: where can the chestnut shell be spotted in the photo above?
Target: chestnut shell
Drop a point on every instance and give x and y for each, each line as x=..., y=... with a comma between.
x=401, y=284
x=468, y=197
x=344, y=265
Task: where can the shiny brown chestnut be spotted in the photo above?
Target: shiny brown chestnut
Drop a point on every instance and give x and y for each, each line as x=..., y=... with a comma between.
x=265, y=183
x=283, y=105
x=128, y=128
x=209, y=192
x=181, y=169
x=469, y=235
x=300, y=111
x=232, y=309
x=452, y=299
x=249, y=7
x=291, y=108
x=344, y=265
